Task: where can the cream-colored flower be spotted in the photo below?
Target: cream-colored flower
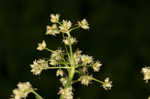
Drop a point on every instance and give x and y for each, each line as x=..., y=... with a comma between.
x=146, y=73
x=77, y=57
x=86, y=59
x=59, y=72
x=66, y=92
x=52, y=30
x=63, y=81
x=66, y=25
x=107, y=84
x=68, y=41
x=96, y=66
x=38, y=66
x=84, y=24
x=85, y=79
x=22, y=91
x=54, y=18
x=56, y=56
x=41, y=46
x=84, y=69
x=149, y=97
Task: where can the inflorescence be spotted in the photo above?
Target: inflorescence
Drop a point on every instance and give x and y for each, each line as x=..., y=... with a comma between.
x=67, y=62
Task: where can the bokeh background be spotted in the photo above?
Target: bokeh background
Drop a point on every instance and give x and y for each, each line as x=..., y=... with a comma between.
x=119, y=36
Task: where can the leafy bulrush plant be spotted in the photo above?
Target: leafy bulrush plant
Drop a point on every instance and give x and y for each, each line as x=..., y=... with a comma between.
x=67, y=62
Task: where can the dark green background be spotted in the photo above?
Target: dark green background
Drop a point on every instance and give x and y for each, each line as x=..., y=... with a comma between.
x=119, y=36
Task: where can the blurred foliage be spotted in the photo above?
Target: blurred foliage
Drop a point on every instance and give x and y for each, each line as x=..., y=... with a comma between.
x=119, y=37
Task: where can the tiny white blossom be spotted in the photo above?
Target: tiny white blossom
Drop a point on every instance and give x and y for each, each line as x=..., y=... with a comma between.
x=52, y=30
x=63, y=81
x=85, y=79
x=41, y=46
x=107, y=84
x=59, y=72
x=66, y=92
x=86, y=59
x=146, y=73
x=84, y=24
x=38, y=66
x=22, y=91
x=69, y=41
x=77, y=57
x=96, y=66
x=56, y=56
x=66, y=25
x=84, y=69
x=54, y=18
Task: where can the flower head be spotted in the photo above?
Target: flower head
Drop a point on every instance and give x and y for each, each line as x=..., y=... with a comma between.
x=66, y=25
x=66, y=92
x=85, y=79
x=146, y=73
x=107, y=84
x=84, y=24
x=69, y=41
x=22, y=91
x=59, y=72
x=63, y=81
x=96, y=66
x=52, y=30
x=38, y=66
x=41, y=46
x=77, y=57
x=56, y=56
x=86, y=59
x=54, y=18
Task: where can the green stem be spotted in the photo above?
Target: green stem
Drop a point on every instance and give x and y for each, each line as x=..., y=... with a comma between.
x=58, y=67
x=74, y=28
x=37, y=95
x=71, y=71
x=49, y=50
x=98, y=81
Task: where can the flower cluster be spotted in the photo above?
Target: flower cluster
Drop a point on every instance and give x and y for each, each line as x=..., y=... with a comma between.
x=66, y=93
x=71, y=67
x=146, y=73
x=74, y=62
x=22, y=91
x=38, y=66
x=107, y=84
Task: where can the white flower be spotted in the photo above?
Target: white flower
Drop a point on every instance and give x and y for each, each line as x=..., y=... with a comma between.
x=66, y=92
x=22, y=91
x=59, y=72
x=85, y=79
x=38, y=66
x=54, y=18
x=66, y=25
x=84, y=24
x=63, y=81
x=52, y=30
x=84, y=69
x=77, y=56
x=56, y=56
x=107, y=84
x=96, y=66
x=69, y=41
x=86, y=59
x=146, y=73
x=41, y=46
x=149, y=97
